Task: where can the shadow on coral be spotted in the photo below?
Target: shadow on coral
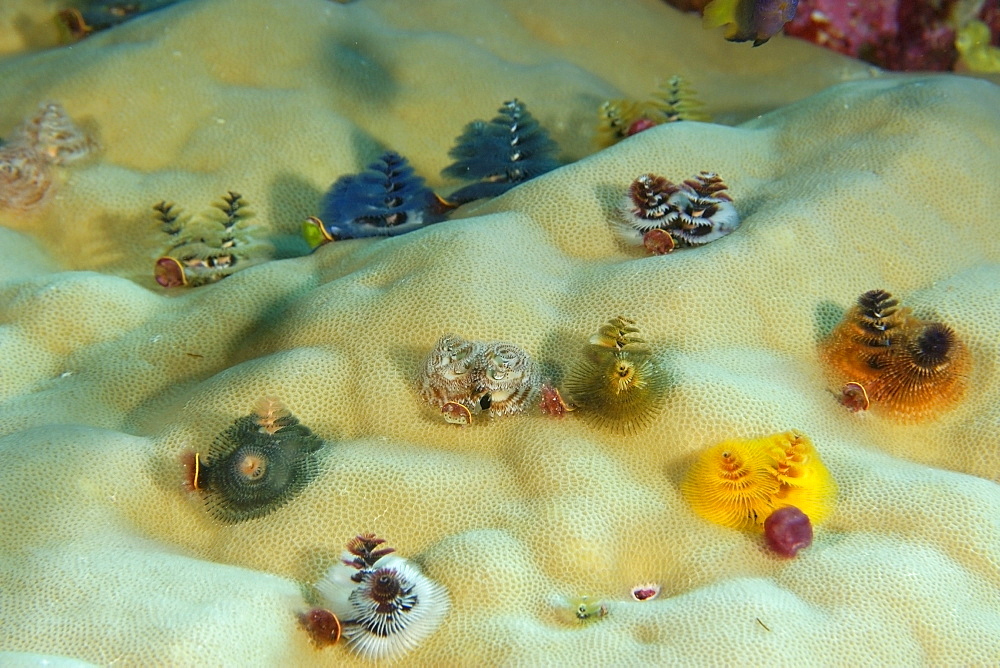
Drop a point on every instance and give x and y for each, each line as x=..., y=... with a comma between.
x=291, y=199
x=580, y=119
x=102, y=251
x=314, y=561
x=611, y=196
x=826, y=315
x=408, y=364
x=356, y=59
x=558, y=351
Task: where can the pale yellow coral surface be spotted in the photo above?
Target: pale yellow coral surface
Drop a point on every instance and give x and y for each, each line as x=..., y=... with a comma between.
x=107, y=380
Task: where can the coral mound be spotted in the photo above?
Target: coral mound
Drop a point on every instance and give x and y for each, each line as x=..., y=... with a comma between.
x=108, y=379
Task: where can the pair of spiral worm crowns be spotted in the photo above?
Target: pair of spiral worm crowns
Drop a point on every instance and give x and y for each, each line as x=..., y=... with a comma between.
x=749, y=483
x=388, y=198
x=464, y=378
x=208, y=248
x=881, y=355
x=673, y=100
x=662, y=215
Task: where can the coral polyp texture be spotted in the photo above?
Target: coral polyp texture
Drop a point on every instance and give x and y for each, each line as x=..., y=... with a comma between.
x=909, y=368
x=846, y=180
